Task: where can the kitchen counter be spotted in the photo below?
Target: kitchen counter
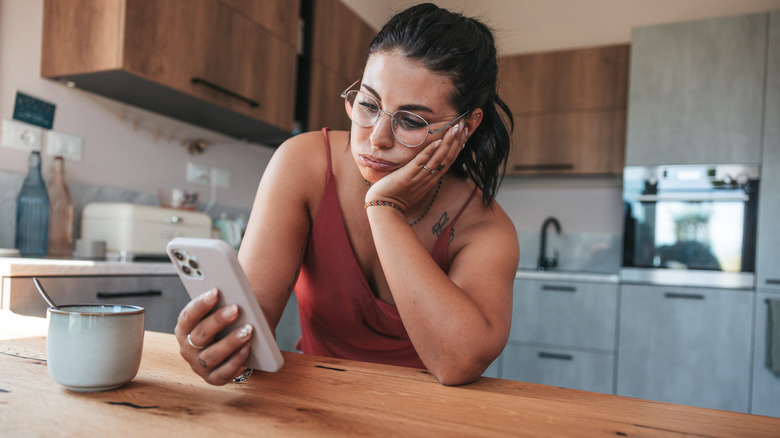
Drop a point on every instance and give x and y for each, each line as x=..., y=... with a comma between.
x=567, y=276
x=24, y=267
x=323, y=397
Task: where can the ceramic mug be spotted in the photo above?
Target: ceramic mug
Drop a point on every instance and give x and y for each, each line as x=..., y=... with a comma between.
x=94, y=347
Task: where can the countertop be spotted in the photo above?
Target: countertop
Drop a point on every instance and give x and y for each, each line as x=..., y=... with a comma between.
x=24, y=267
x=567, y=276
x=317, y=396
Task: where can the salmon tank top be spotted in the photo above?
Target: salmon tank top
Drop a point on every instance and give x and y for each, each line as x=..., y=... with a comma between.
x=340, y=315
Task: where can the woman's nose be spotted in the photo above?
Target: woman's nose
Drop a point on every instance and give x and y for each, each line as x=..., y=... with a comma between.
x=382, y=132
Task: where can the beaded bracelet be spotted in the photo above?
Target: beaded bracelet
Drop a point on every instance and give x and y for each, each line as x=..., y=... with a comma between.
x=386, y=204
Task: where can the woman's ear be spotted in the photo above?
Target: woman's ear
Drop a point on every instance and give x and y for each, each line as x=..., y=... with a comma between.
x=473, y=120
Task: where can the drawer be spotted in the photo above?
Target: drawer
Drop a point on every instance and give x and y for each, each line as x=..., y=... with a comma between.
x=162, y=296
x=568, y=368
x=567, y=314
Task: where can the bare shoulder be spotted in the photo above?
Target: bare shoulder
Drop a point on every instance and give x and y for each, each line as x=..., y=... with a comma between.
x=487, y=239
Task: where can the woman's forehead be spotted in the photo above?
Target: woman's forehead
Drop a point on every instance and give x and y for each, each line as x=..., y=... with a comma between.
x=399, y=80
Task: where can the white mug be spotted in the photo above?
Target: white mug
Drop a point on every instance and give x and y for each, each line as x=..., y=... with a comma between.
x=94, y=347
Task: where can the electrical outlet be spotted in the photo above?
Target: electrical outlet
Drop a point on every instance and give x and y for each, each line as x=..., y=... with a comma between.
x=221, y=177
x=197, y=173
x=18, y=135
x=69, y=146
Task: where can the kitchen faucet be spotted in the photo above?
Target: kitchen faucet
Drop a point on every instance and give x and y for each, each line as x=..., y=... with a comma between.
x=544, y=262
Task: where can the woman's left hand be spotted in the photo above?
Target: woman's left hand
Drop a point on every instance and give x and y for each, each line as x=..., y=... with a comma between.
x=414, y=181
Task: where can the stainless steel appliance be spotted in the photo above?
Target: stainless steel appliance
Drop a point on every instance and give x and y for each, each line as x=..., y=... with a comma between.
x=690, y=225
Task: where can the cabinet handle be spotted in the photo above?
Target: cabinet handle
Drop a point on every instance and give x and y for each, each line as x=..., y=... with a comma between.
x=562, y=166
x=773, y=281
x=558, y=356
x=139, y=293
x=222, y=90
x=556, y=288
x=684, y=296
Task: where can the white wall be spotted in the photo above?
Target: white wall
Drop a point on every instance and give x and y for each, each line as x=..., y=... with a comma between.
x=115, y=154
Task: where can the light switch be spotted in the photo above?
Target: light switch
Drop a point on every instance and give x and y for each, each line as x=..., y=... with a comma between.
x=67, y=145
x=19, y=135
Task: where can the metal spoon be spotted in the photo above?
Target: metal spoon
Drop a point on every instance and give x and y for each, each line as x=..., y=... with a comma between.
x=44, y=294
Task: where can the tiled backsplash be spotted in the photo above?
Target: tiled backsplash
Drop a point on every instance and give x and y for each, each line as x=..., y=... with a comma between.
x=81, y=195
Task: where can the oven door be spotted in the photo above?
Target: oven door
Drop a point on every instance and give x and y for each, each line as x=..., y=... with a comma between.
x=698, y=239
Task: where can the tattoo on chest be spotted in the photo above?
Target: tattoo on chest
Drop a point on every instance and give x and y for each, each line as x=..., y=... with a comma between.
x=439, y=226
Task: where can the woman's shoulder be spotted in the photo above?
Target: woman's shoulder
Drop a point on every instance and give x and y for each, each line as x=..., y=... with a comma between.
x=306, y=152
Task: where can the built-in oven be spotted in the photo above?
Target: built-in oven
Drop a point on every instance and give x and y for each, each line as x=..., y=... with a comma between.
x=690, y=225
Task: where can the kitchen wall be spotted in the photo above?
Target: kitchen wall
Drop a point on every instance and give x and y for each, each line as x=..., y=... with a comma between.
x=123, y=159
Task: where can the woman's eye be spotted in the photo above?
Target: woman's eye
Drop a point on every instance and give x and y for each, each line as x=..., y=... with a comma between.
x=369, y=107
x=411, y=123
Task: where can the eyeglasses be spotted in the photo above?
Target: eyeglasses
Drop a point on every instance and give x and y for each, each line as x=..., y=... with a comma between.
x=408, y=128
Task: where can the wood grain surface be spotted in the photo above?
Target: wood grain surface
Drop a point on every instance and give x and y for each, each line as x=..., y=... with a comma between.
x=323, y=397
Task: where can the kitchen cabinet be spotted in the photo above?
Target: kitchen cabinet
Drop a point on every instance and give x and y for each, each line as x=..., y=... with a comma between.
x=765, y=398
x=339, y=49
x=768, y=242
x=569, y=109
x=563, y=333
x=162, y=296
x=206, y=62
x=696, y=92
x=683, y=345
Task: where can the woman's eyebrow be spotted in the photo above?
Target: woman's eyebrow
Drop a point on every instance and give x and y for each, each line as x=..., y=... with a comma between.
x=408, y=107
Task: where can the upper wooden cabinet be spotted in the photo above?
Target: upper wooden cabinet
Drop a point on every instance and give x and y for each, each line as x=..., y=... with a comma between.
x=569, y=109
x=211, y=63
x=339, y=49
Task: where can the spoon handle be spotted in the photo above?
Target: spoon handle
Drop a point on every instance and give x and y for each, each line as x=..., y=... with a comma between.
x=44, y=294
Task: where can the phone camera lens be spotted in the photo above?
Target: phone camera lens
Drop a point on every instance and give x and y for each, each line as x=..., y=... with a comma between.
x=178, y=255
x=194, y=264
x=186, y=270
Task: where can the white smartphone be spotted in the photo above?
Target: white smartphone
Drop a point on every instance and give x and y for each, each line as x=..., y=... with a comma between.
x=204, y=264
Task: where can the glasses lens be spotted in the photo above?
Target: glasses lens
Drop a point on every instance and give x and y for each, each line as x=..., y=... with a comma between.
x=409, y=128
x=362, y=108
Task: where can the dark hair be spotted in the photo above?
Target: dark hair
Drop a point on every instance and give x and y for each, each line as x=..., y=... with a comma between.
x=462, y=48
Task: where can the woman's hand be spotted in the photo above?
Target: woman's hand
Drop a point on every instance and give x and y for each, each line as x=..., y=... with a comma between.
x=217, y=362
x=414, y=181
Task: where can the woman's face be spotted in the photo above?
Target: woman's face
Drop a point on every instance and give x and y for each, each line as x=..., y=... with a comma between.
x=398, y=84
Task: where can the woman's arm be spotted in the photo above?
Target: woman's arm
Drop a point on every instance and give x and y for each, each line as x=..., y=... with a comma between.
x=270, y=255
x=458, y=322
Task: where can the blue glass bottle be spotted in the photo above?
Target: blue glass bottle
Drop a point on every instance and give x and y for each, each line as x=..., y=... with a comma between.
x=32, y=212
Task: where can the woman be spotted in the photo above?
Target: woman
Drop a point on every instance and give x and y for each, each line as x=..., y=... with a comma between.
x=389, y=234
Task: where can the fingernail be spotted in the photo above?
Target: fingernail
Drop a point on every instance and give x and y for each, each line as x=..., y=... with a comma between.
x=245, y=350
x=210, y=296
x=455, y=128
x=466, y=132
x=244, y=332
x=437, y=144
x=229, y=311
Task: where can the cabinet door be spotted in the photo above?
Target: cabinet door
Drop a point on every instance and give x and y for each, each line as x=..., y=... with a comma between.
x=569, y=368
x=696, y=92
x=565, y=314
x=162, y=297
x=569, y=109
x=278, y=16
x=768, y=242
x=766, y=385
x=685, y=345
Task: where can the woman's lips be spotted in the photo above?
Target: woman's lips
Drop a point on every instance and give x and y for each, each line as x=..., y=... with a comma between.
x=377, y=163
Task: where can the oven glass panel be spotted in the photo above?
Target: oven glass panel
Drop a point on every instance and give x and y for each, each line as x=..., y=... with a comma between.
x=689, y=235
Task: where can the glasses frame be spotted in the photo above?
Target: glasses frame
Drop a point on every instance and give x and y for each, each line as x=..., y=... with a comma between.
x=392, y=115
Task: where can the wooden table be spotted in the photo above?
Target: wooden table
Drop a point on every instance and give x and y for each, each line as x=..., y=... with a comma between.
x=315, y=396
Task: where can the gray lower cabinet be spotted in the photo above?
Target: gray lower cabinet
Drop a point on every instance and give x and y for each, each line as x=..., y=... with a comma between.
x=766, y=385
x=696, y=92
x=563, y=334
x=162, y=296
x=690, y=346
x=768, y=245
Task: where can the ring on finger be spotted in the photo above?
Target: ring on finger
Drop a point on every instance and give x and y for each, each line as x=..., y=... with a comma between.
x=428, y=169
x=194, y=345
